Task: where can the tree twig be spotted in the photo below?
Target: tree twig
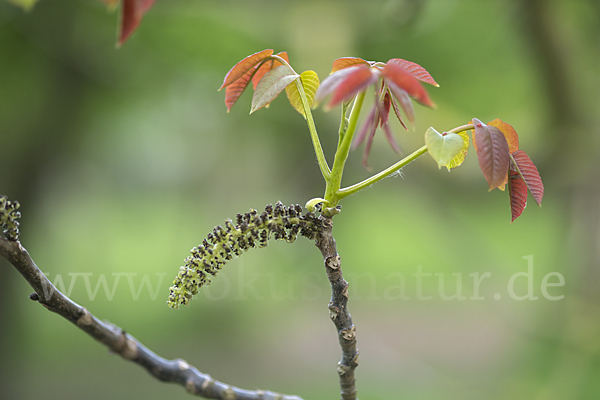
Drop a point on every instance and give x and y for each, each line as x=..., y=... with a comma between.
x=118, y=341
x=338, y=310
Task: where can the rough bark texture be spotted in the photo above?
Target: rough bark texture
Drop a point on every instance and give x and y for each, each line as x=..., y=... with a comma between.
x=338, y=310
x=118, y=341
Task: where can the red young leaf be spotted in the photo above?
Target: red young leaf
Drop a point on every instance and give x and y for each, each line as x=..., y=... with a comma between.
x=240, y=69
x=527, y=170
x=234, y=91
x=368, y=131
x=415, y=70
x=517, y=192
x=397, y=110
x=331, y=83
x=405, y=103
x=132, y=12
x=397, y=76
x=492, y=152
x=346, y=62
x=358, y=79
x=383, y=122
x=509, y=132
x=268, y=66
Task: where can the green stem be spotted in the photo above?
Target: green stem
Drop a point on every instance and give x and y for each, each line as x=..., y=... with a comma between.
x=389, y=171
x=325, y=171
x=343, y=123
x=382, y=175
x=341, y=155
x=462, y=128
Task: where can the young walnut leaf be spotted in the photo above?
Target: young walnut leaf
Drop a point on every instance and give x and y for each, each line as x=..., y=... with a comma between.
x=333, y=81
x=310, y=83
x=415, y=70
x=402, y=97
x=398, y=78
x=517, y=191
x=509, y=132
x=528, y=171
x=492, y=153
x=346, y=62
x=271, y=85
x=443, y=148
x=266, y=67
x=234, y=90
x=511, y=138
x=243, y=67
x=132, y=12
x=409, y=113
x=357, y=79
x=460, y=157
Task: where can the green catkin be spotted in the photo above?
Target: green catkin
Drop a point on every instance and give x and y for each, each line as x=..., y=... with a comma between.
x=231, y=240
x=9, y=215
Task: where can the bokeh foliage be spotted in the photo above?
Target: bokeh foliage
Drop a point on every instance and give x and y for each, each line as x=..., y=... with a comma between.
x=123, y=160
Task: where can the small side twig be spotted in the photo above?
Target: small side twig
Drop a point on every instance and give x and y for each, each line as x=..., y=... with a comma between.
x=118, y=341
x=338, y=310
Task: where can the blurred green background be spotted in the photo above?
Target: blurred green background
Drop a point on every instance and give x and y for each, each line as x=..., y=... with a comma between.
x=124, y=159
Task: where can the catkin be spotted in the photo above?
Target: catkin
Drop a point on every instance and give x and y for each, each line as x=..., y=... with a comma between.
x=231, y=240
x=9, y=216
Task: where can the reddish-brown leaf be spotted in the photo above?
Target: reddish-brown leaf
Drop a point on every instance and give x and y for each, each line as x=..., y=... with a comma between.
x=395, y=75
x=241, y=68
x=492, y=153
x=528, y=171
x=384, y=113
x=358, y=79
x=346, y=62
x=509, y=132
x=396, y=109
x=234, y=90
x=415, y=70
x=405, y=103
x=368, y=131
x=268, y=66
x=517, y=192
x=330, y=84
x=132, y=12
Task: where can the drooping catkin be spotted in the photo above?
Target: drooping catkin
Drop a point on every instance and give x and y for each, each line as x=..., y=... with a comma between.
x=231, y=240
x=9, y=216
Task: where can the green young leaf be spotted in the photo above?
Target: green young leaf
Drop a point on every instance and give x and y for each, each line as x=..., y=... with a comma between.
x=460, y=157
x=271, y=85
x=310, y=82
x=267, y=66
x=443, y=148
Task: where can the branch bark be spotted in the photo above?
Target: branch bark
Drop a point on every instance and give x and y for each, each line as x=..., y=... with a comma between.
x=118, y=341
x=338, y=310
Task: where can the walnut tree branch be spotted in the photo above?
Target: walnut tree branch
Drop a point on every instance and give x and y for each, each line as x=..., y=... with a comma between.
x=118, y=341
x=338, y=310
